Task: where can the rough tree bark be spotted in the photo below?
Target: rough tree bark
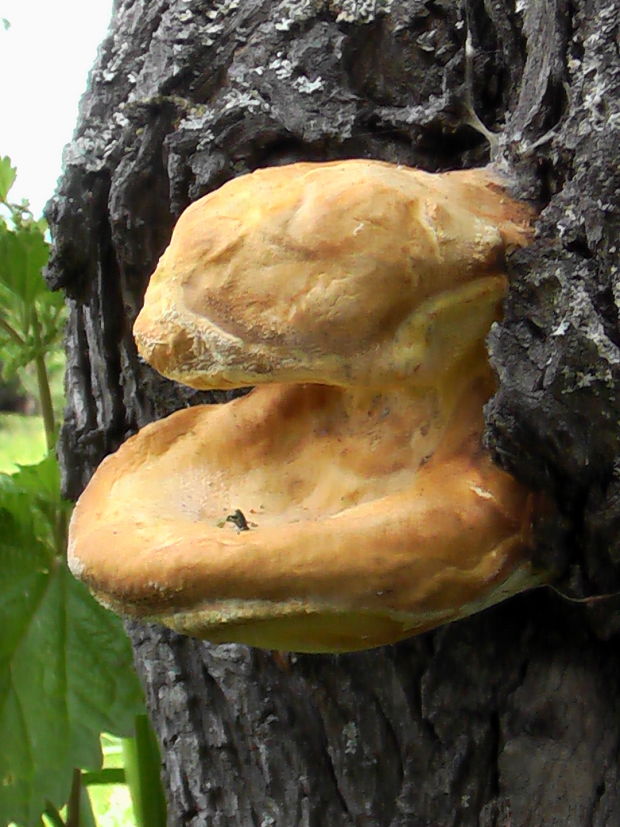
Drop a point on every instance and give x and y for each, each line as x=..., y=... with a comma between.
x=511, y=717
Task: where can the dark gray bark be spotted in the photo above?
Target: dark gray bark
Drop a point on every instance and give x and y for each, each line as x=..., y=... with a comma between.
x=511, y=717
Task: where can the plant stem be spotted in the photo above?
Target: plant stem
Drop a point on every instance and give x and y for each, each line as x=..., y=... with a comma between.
x=73, y=804
x=45, y=400
x=45, y=395
x=4, y=325
x=49, y=424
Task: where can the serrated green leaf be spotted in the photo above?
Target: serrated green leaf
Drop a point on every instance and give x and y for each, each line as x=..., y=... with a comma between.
x=32, y=506
x=23, y=255
x=40, y=481
x=8, y=173
x=66, y=670
x=31, y=316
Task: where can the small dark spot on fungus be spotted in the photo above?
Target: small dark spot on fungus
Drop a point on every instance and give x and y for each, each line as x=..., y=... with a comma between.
x=238, y=518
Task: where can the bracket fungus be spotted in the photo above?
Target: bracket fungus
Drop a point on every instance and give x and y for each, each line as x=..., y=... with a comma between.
x=346, y=501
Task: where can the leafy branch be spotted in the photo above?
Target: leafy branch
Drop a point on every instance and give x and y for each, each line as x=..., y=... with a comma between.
x=31, y=317
x=66, y=671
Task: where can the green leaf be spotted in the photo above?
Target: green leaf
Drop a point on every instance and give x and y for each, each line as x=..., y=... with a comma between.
x=8, y=173
x=30, y=500
x=51, y=315
x=31, y=316
x=14, y=357
x=66, y=670
x=40, y=481
x=23, y=255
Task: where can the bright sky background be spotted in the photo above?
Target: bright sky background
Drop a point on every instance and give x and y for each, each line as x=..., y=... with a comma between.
x=45, y=57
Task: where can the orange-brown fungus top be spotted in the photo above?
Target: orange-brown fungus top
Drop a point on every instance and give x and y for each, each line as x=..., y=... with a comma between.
x=347, y=502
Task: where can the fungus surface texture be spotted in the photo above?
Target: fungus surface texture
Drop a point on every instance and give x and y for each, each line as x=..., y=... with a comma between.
x=347, y=501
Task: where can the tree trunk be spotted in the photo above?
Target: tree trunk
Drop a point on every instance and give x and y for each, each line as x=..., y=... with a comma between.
x=510, y=717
